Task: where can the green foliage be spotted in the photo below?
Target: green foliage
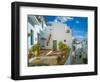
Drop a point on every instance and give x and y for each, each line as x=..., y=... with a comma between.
x=62, y=46
x=67, y=31
x=85, y=60
x=35, y=49
x=29, y=34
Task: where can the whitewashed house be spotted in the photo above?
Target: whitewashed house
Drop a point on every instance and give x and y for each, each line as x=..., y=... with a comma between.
x=54, y=34
x=34, y=29
x=48, y=36
x=85, y=47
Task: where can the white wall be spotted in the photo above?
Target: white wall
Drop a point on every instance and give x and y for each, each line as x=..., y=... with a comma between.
x=47, y=32
x=59, y=34
x=5, y=41
x=36, y=31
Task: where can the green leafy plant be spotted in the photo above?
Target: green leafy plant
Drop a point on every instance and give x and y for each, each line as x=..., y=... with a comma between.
x=67, y=31
x=35, y=49
x=85, y=60
x=62, y=46
x=29, y=34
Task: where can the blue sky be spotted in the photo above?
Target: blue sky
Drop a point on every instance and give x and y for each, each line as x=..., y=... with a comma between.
x=79, y=25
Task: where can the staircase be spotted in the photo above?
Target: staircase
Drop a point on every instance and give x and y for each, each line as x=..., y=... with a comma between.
x=48, y=39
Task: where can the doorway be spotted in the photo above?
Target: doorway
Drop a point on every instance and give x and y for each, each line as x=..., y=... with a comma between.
x=54, y=45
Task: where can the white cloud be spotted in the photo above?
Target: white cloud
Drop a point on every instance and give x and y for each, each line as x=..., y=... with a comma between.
x=63, y=19
x=55, y=20
x=69, y=18
x=80, y=36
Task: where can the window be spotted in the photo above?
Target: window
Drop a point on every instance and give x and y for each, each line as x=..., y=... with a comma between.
x=32, y=37
x=64, y=40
